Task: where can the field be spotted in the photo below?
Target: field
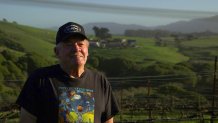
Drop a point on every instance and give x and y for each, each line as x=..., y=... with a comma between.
x=28, y=38
x=144, y=52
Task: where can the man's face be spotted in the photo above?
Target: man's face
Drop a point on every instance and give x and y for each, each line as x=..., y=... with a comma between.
x=73, y=52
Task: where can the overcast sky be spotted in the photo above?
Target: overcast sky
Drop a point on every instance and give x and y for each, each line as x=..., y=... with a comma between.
x=51, y=13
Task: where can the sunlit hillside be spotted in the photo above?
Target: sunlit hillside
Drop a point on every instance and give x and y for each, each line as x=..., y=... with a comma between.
x=29, y=39
x=175, y=69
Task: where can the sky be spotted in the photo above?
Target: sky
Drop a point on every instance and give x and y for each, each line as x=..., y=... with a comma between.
x=53, y=13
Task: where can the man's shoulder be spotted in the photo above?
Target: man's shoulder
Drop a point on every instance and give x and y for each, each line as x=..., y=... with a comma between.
x=96, y=73
x=46, y=71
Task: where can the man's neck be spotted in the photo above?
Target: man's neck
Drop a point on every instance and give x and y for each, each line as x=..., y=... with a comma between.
x=76, y=73
x=73, y=72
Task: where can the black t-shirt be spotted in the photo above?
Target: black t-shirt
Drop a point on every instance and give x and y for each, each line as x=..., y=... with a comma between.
x=52, y=96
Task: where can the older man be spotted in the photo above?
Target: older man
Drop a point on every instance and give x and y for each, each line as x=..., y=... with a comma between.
x=68, y=92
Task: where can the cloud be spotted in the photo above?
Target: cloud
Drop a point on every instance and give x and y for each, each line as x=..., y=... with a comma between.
x=112, y=9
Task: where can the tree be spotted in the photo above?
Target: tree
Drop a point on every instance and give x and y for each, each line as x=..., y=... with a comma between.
x=1, y=88
x=171, y=89
x=14, y=22
x=14, y=72
x=5, y=20
x=96, y=30
x=10, y=42
x=102, y=33
x=180, y=73
x=9, y=55
x=158, y=40
x=118, y=67
x=158, y=68
x=94, y=62
x=35, y=61
x=206, y=71
x=4, y=71
x=189, y=78
x=177, y=90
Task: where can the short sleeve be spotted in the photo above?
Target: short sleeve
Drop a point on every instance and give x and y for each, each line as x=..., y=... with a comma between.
x=111, y=107
x=28, y=98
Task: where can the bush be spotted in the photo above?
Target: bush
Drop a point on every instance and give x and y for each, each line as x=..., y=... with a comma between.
x=118, y=67
x=33, y=61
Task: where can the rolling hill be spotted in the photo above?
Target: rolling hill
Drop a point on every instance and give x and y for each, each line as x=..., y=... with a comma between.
x=195, y=25
x=42, y=42
x=144, y=52
x=28, y=38
x=115, y=28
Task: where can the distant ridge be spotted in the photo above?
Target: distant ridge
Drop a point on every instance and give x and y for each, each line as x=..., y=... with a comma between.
x=114, y=28
x=195, y=25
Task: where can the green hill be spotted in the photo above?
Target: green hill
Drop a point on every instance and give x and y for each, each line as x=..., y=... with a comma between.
x=144, y=52
x=41, y=41
x=30, y=39
x=202, y=48
x=20, y=40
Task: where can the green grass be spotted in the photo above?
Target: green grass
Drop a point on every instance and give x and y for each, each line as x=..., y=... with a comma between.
x=15, y=52
x=157, y=119
x=11, y=117
x=32, y=44
x=2, y=58
x=140, y=54
x=144, y=51
x=204, y=42
x=13, y=120
x=205, y=47
x=41, y=41
x=44, y=34
x=31, y=39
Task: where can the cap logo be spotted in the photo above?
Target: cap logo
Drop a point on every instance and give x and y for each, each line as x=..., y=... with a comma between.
x=72, y=28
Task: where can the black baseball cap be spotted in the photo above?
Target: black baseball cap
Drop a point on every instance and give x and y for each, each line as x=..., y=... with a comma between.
x=69, y=29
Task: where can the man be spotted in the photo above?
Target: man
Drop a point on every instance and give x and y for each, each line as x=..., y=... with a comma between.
x=68, y=92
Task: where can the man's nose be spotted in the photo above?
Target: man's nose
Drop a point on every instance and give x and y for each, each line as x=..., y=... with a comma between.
x=76, y=47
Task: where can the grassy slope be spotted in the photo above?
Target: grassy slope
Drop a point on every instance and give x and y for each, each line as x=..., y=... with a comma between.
x=144, y=52
x=31, y=39
x=42, y=42
x=201, y=48
x=202, y=42
x=17, y=53
x=1, y=59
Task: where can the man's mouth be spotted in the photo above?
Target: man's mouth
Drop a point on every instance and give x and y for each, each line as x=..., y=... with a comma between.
x=76, y=56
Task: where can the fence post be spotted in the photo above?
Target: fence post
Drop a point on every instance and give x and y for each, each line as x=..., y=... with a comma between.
x=121, y=112
x=148, y=100
x=214, y=91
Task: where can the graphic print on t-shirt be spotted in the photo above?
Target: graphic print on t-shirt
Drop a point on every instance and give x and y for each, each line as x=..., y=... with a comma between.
x=76, y=105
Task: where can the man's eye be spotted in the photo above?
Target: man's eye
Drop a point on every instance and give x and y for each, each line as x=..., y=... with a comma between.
x=80, y=44
x=69, y=44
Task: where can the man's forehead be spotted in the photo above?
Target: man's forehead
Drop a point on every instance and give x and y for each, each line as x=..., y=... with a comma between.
x=73, y=40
